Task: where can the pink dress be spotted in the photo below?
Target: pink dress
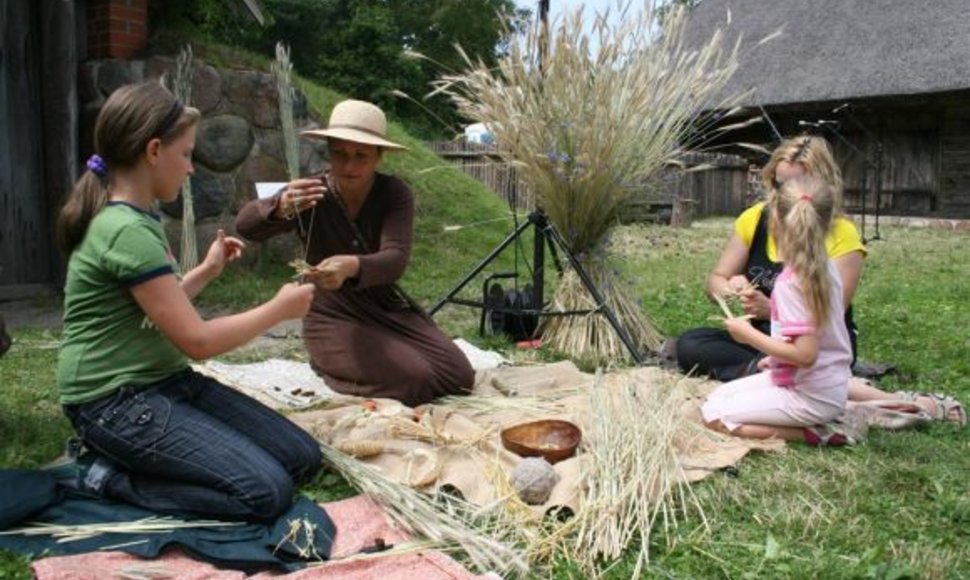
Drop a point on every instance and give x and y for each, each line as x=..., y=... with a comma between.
x=784, y=395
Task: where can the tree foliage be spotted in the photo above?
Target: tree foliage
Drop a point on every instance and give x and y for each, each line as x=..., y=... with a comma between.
x=364, y=48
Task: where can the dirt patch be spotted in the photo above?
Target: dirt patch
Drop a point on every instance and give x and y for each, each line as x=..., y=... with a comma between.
x=283, y=340
x=46, y=313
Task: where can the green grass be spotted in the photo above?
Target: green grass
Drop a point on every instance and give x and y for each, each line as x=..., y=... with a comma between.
x=896, y=507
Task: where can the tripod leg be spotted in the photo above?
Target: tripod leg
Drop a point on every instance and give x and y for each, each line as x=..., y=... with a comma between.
x=551, y=232
x=555, y=255
x=538, y=266
x=481, y=266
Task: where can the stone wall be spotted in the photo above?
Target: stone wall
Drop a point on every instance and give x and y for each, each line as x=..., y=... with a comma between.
x=238, y=142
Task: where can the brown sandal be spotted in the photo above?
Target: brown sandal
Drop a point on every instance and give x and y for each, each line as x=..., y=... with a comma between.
x=946, y=407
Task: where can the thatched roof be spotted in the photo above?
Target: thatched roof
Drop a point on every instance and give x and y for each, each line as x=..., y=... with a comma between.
x=833, y=50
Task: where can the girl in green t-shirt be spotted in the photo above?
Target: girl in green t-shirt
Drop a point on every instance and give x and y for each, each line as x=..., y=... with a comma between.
x=160, y=435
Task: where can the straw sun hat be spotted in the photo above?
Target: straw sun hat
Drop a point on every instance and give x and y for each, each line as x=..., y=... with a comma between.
x=357, y=121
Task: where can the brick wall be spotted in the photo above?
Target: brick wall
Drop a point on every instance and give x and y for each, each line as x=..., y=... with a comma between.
x=116, y=28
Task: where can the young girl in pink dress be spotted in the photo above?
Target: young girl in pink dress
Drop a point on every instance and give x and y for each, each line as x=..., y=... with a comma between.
x=802, y=388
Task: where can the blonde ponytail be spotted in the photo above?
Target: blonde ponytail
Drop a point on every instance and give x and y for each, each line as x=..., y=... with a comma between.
x=804, y=207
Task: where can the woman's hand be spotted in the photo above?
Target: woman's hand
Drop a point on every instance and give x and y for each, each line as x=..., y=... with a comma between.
x=331, y=273
x=737, y=283
x=755, y=303
x=223, y=250
x=299, y=195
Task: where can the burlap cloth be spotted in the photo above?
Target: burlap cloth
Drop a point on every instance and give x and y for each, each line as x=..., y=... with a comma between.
x=453, y=447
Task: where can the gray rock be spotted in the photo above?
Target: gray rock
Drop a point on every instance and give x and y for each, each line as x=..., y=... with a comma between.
x=252, y=95
x=211, y=193
x=116, y=73
x=257, y=168
x=206, y=88
x=159, y=66
x=534, y=478
x=269, y=142
x=313, y=156
x=223, y=142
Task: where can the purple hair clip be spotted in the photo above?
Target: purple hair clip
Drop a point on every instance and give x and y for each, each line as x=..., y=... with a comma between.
x=97, y=166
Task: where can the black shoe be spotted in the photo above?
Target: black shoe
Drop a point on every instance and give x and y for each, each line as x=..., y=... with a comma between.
x=5, y=340
x=872, y=370
x=85, y=475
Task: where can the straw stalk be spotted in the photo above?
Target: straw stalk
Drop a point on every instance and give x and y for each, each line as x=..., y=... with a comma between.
x=586, y=127
x=182, y=88
x=445, y=526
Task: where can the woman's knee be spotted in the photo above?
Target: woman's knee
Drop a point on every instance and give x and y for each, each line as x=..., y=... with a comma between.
x=460, y=376
x=690, y=346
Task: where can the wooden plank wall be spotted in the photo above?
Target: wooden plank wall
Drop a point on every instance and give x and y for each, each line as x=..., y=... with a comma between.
x=910, y=178
x=954, y=198
x=483, y=163
x=25, y=246
x=723, y=190
x=38, y=138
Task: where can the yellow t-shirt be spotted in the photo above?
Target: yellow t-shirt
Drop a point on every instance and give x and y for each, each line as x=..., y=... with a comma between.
x=843, y=238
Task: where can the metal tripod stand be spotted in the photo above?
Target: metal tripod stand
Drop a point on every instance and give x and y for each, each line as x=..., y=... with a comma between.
x=545, y=234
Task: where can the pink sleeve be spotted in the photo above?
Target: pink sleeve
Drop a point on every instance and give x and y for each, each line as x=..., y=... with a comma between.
x=794, y=316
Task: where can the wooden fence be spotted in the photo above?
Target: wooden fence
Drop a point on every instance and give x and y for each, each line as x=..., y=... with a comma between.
x=726, y=188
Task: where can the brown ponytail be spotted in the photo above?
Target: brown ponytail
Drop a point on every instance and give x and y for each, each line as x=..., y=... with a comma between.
x=131, y=117
x=89, y=195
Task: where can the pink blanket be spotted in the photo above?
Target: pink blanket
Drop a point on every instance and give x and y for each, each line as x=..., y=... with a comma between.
x=360, y=523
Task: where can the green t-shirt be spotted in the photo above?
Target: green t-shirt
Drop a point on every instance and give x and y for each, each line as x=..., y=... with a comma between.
x=108, y=340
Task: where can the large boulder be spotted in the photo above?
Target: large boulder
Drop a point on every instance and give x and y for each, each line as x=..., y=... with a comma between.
x=253, y=95
x=223, y=142
x=206, y=88
x=210, y=195
x=113, y=74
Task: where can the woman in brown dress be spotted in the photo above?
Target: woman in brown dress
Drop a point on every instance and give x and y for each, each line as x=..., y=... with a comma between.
x=364, y=335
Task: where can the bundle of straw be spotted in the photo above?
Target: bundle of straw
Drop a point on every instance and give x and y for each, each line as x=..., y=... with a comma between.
x=182, y=88
x=586, y=127
x=444, y=526
x=636, y=480
x=282, y=69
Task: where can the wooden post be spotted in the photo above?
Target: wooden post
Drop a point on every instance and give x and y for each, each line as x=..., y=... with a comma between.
x=683, y=210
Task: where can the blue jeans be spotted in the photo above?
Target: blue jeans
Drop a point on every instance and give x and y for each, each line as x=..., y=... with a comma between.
x=189, y=444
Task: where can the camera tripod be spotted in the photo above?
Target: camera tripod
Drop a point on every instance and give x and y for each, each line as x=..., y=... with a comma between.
x=545, y=234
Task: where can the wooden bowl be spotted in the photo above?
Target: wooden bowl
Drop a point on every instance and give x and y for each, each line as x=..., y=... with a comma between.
x=551, y=439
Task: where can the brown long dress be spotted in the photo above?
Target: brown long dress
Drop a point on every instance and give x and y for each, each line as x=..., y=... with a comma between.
x=364, y=338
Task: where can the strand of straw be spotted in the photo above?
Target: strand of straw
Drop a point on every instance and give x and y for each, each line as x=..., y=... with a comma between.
x=282, y=69
x=183, y=92
x=150, y=525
